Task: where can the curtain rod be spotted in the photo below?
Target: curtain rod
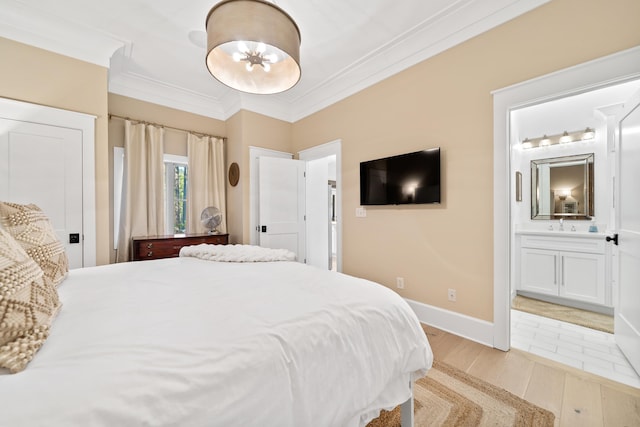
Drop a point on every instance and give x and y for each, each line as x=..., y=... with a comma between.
x=115, y=116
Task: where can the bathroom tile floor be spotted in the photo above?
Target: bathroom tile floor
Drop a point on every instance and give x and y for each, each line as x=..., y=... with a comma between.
x=583, y=348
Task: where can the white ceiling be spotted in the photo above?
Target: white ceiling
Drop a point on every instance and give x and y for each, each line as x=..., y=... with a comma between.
x=155, y=48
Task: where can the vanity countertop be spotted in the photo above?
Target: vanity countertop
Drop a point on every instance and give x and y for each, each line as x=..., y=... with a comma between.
x=565, y=233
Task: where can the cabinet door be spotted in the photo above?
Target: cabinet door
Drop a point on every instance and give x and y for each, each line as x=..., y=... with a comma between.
x=582, y=277
x=539, y=271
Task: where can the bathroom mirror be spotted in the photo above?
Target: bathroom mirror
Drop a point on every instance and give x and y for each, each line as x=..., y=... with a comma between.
x=562, y=187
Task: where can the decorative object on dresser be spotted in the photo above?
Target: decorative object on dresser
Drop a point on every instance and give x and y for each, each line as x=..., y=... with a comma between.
x=156, y=247
x=210, y=218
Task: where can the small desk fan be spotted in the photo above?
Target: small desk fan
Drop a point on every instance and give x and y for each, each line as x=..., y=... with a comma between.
x=210, y=218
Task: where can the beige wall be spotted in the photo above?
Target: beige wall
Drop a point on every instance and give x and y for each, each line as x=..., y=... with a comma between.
x=37, y=76
x=235, y=195
x=248, y=129
x=446, y=102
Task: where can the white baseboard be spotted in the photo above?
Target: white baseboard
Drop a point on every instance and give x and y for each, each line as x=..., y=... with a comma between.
x=462, y=325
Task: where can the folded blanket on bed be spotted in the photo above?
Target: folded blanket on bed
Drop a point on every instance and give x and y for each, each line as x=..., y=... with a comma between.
x=237, y=253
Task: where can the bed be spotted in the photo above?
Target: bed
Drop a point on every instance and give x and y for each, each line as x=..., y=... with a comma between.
x=196, y=342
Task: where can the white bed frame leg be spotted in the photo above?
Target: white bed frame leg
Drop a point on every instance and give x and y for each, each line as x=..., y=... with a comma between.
x=406, y=410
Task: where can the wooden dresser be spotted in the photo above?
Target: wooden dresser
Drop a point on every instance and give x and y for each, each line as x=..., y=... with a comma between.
x=156, y=247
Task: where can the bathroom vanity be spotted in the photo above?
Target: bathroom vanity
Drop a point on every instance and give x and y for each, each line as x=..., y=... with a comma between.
x=567, y=267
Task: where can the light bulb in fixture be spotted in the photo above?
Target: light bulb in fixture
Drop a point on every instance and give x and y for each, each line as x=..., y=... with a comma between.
x=588, y=133
x=526, y=143
x=545, y=141
x=565, y=137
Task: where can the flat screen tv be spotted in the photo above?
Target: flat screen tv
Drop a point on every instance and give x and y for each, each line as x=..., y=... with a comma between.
x=406, y=179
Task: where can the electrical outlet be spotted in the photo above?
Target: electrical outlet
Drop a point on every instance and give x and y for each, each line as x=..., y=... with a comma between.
x=452, y=295
x=361, y=212
x=400, y=282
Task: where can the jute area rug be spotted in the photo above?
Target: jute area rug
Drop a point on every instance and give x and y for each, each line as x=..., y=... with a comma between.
x=588, y=319
x=450, y=397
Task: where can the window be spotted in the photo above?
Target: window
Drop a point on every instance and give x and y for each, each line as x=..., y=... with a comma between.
x=175, y=189
x=176, y=184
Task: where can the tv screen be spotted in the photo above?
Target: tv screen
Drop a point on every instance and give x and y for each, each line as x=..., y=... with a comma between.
x=412, y=178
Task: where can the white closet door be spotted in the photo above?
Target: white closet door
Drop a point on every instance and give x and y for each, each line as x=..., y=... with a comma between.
x=42, y=164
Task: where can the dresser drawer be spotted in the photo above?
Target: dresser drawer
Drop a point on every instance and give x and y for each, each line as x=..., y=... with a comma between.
x=156, y=247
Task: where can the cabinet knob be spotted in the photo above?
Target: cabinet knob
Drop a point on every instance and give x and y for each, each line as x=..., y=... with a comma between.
x=149, y=245
x=150, y=253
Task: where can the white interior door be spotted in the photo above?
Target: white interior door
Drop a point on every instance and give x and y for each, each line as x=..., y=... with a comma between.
x=282, y=204
x=254, y=188
x=318, y=215
x=43, y=164
x=627, y=311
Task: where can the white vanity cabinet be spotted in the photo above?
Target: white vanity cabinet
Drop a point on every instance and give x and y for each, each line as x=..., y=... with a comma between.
x=563, y=265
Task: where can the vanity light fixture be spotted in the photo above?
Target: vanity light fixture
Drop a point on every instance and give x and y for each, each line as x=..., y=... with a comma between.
x=563, y=138
x=588, y=134
x=545, y=141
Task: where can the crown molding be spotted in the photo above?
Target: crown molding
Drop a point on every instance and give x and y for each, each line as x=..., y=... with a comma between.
x=143, y=88
x=53, y=33
x=422, y=42
x=268, y=105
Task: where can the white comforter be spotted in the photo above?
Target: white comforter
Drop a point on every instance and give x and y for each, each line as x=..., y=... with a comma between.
x=188, y=342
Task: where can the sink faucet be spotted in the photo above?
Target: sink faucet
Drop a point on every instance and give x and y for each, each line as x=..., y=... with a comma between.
x=561, y=224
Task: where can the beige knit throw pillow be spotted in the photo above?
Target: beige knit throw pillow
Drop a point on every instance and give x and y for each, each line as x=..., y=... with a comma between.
x=28, y=304
x=30, y=227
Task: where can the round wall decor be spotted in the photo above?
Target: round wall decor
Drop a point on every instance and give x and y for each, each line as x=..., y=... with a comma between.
x=234, y=174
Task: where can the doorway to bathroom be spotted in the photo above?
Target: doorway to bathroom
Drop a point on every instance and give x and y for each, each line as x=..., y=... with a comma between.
x=562, y=285
x=542, y=263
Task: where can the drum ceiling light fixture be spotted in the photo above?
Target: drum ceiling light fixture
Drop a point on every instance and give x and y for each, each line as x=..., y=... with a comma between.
x=253, y=46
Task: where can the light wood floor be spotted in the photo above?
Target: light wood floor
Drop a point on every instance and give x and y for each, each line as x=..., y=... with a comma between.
x=577, y=398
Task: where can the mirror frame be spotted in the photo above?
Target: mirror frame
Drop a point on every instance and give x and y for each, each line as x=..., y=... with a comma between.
x=585, y=159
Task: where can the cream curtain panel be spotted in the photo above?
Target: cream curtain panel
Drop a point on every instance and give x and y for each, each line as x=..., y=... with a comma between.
x=142, y=208
x=206, y=180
